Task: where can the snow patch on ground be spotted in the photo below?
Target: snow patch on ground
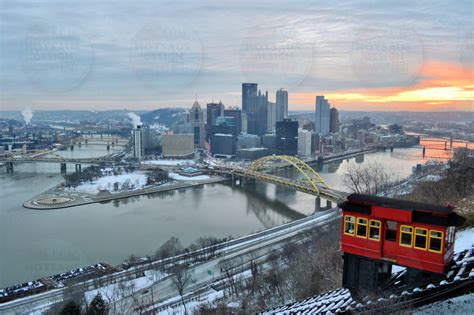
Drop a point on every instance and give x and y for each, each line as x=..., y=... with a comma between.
x=186, y=178
x=464, y=240
x=432, y=178
x=168, y=162
x=137, y=180
x=209, y=297
x=397, y=268
x=116, y=291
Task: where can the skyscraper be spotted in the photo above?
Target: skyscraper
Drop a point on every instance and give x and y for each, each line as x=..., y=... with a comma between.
x=197, y=122
x=304, y=142
x=138, y=148
x=257, y=114
x=237, y=114
x=333, y=120
x=248, y=90
x=226, y=125
x=223, y=145
x=271, y=116
x=183, y=123
x=213, y=111
x=287, y=137
x=281, y=104
x=322, y=116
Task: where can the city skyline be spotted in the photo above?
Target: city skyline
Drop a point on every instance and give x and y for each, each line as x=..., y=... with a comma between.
x=361, y=56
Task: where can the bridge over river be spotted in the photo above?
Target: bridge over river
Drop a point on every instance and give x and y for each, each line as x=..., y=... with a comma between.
x=47, y=156
x=309, y=181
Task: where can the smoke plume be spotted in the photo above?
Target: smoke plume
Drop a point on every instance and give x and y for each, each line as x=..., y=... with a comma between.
x=27, y=115
x=136, y=121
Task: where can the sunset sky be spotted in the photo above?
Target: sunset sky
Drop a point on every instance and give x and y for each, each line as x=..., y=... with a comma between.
x=362, y=55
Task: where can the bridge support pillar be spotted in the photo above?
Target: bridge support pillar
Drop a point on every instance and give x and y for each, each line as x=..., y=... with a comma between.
x=317, y=205
x=235, y=179
x=328, y=204
x=362, y=275
x=63, y=168
x=9, y=167
x=78, y=168
x=247, y=181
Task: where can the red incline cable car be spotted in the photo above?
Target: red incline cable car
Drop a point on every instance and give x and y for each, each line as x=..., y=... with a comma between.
x=392, y=231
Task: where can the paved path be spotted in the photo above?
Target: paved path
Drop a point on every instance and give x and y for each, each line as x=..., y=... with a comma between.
x=56, y=199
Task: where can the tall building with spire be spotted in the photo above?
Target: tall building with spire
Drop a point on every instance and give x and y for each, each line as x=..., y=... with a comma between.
x=197, y=122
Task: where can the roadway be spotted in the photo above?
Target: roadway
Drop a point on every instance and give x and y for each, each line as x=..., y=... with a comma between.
x=248, y=247
x=165, y=294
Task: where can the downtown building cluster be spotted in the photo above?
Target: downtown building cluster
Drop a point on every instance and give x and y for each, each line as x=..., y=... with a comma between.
x=260, y=127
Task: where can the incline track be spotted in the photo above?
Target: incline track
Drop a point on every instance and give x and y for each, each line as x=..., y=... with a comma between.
x=458, y=281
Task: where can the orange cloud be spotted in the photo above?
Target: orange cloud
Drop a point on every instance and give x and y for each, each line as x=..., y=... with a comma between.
x=443, y=86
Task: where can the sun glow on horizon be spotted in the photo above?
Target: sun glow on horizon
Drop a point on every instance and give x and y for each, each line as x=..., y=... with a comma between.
x=448, y=85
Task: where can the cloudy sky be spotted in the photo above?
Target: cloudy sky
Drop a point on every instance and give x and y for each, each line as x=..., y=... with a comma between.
x=363, y=55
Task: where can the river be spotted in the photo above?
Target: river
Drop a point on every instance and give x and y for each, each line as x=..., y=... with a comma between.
x=36, y=243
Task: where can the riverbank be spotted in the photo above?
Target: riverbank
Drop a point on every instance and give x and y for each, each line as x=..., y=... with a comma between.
x=57, y=198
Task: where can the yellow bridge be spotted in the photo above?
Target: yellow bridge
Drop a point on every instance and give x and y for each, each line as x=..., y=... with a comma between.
x=310, y=182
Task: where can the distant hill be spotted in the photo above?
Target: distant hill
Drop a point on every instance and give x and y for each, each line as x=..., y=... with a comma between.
x=69, y=115
x=163, y=116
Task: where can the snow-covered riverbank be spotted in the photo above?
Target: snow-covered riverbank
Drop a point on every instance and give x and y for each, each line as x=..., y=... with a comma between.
x=112, y=183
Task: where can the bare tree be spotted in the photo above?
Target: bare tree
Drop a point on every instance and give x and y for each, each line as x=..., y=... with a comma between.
x=371, y=178
x=170, y=248
x=181, y=279
x=230, y=268
x=154, y=275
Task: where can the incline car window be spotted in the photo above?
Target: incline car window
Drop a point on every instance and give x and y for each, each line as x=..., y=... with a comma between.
x=361, y=227
x=436, y=240
x=374, y=230
x=406, y=235
x=349, y=223
x=420, y=238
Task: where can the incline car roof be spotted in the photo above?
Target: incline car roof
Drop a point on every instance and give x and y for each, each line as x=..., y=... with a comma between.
x=370, y=200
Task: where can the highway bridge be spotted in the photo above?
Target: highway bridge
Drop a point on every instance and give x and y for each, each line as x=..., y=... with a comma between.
x=441, y=139
x=103, y=140
x=263, y=169
x=47, y=156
